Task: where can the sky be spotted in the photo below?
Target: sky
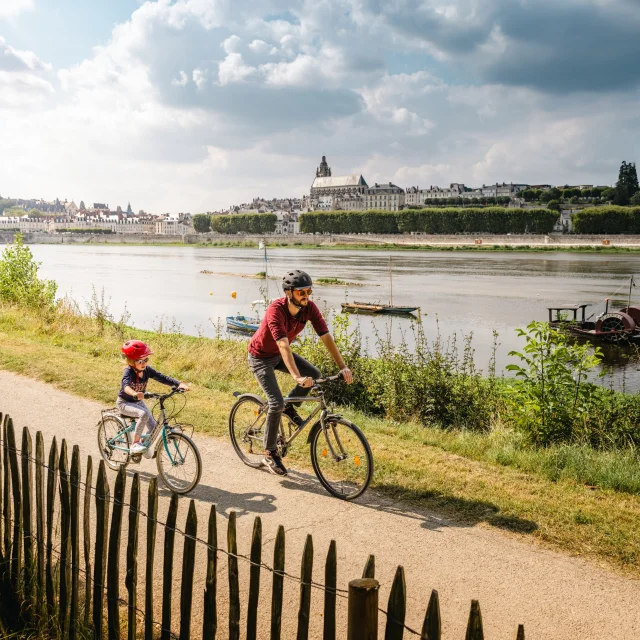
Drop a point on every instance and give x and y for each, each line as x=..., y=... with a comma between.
x=196, y=105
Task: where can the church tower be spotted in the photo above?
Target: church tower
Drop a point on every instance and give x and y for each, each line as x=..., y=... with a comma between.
x=324, y=170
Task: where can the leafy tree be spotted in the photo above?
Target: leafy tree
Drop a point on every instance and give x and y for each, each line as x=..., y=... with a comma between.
x=627, y=184
x=608, y=194
x=574, y=199
x=141, y=212
x=129, y=209
x=82, y=207
x=635, y=199
x=14, y=212
x=35, y=213
x=201, y=223
x=554, y=205
x=118, y=209
x=19, y=282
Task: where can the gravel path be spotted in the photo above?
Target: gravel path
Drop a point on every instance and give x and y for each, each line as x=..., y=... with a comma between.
x=553, y=595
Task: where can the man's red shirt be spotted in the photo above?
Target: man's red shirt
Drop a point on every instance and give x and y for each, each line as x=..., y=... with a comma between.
x=278, y=323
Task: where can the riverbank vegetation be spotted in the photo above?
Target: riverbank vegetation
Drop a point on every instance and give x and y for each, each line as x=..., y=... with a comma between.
x=607, y=220
x=549, y=456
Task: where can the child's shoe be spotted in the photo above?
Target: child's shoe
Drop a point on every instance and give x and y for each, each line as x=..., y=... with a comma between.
x=137, y=448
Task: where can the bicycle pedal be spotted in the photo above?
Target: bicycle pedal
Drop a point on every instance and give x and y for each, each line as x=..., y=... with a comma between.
x=136, y=458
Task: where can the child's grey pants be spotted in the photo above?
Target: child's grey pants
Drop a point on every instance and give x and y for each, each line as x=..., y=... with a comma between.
x=138, y=410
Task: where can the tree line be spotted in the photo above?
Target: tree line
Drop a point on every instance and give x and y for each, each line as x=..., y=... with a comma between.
x=436, y=221
x=607, y=220
x=236, y=223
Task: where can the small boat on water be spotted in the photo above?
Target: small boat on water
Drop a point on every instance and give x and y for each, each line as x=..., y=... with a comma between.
x=378, y=308
x=618, y=326
x=246, y=324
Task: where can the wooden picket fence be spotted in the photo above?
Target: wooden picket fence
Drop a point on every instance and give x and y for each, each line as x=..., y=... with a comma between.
x=47, y=589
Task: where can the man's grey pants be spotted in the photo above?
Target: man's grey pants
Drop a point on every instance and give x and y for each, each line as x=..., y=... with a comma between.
x=264, y=369
x=140, y=412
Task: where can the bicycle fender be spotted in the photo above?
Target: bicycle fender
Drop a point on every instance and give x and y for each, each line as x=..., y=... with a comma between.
x=239, y=396
x=312, y=432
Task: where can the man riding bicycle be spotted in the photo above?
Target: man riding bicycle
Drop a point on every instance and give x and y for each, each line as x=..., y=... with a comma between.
x=270, y=349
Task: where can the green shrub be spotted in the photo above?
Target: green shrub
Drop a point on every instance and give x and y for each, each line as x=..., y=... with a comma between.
x=609, y=220
x=433, y=221
x=19, y=282
x=244, y=223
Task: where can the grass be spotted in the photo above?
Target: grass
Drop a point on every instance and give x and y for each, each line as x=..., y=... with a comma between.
x=568, y=497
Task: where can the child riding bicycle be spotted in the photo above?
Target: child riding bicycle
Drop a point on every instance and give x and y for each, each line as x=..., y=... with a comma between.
x=134, y=383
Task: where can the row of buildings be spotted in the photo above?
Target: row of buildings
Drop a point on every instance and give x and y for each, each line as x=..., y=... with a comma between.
x=352, y=193
x=64, y=216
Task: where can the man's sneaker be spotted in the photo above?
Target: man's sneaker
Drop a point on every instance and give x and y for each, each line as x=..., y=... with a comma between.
x=293, y=415
x=137, y=447
x=273, y=462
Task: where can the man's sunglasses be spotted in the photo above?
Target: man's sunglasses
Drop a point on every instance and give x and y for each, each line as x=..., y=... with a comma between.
x=306, y=292
x=142, y=361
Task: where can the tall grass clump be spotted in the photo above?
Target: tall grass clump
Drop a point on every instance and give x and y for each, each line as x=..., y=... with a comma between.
x=434, y=382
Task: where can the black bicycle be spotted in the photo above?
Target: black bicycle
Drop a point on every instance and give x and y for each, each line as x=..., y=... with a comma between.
x=340, y=454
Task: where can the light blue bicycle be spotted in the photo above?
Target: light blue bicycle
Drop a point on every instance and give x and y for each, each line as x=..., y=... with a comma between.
x=177, y=457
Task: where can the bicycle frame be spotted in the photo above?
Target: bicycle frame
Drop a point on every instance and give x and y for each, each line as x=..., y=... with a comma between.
x=162, y=420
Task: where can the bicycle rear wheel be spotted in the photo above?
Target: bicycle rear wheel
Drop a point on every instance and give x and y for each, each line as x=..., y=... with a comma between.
x=342, y=459
x=246, y=428
x=179, y=462
x=112, y=441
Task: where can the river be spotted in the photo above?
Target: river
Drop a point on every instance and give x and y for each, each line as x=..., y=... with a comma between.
x=457, y=292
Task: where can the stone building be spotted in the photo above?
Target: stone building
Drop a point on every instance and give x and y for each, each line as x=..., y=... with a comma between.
x=388, y=197
x=328, y=191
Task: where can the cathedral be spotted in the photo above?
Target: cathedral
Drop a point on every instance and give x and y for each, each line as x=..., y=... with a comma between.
x=335, y=192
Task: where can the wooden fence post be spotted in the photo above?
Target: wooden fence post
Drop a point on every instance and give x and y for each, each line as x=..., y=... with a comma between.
x=1, y=491
x=131, y=578
x=431, y=628
x=306, y=576
x=40, y=466
x=167, y=569
x=113, y=566
x=6, y=491
x=278, y=583
x=210, y=622
x=188, y=566
x=86, y=522
x=363, y=609
x=75, y=540
x=27, y=507
x=254, y=580
x=65, y=522
x=234, y=587
x=152, y=521
x=397, y=607
x=52, y=482
x=330, y=583
x=100, y=558
x=520, y=632
x=16, y=543
x=370, y=567
x=474, y=626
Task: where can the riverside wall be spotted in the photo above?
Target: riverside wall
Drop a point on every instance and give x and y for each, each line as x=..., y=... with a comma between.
x=533, y=240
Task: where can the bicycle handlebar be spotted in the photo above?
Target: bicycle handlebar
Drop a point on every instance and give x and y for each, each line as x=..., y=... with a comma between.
x=163, y=396
x=338, y=376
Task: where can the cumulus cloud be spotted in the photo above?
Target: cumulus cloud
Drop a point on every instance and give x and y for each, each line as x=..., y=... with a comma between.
x=194, y=104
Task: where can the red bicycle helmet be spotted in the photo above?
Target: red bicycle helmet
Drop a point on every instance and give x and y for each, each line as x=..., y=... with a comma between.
x=135, y=349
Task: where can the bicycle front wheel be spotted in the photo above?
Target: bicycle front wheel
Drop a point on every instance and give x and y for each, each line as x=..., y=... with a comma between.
x=179, y=462
x=342, y=459
x=246, y=428
x=113, y=442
